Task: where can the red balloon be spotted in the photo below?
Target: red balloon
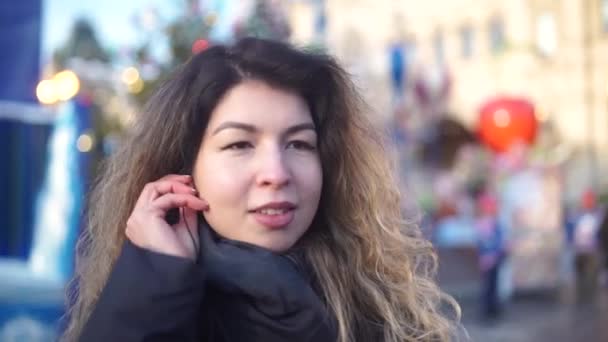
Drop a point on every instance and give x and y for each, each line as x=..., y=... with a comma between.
x=505, y=121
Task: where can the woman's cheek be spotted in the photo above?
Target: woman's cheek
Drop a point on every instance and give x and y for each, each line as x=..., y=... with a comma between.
x=224, y=186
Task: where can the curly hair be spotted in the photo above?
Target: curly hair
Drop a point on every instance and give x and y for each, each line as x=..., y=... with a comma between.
x=374, y=269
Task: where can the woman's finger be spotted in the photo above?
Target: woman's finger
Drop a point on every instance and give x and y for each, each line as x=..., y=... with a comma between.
x=153, y=190
x=173, y=200
x=167, y=186
x=179, y=178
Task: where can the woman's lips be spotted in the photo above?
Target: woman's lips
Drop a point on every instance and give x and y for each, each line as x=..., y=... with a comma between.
x=274, y=219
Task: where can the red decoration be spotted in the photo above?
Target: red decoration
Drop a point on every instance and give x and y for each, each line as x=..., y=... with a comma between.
x=504, y=121
x=199, y=45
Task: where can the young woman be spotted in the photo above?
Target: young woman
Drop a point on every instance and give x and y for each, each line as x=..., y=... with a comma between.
x=289, y=225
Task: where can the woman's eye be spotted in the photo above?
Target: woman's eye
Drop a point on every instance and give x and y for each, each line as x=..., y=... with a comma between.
x=301, y=145
x=240, y=145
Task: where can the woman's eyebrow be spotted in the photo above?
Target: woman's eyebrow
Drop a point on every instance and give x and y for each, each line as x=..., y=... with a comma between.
x=235, y=125
x=300, y=127
x=252, y=129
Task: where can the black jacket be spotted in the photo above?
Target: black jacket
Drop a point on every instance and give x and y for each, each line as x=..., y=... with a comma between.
x=235, y=292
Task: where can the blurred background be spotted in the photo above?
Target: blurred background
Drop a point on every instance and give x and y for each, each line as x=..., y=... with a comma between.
x=496, y=113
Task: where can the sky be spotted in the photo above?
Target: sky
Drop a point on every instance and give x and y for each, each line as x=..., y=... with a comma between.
x=114, y=20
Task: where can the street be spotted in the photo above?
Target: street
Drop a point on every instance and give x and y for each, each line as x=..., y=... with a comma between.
x=540, y=319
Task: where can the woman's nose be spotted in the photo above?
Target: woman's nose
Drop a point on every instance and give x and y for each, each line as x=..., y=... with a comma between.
x=273, y=170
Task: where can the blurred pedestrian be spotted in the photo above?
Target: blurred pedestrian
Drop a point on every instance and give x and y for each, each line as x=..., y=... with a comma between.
x=570, y=216
x=585, y=242
x=603, y=244
x=492, y=253
x=288, y=224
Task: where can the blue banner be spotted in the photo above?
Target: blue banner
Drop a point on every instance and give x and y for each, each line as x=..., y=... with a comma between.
x=22, y=141
x=20, y=25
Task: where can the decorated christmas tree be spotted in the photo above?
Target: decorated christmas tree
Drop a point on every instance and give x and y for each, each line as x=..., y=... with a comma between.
x=267, y=20
x=190, y=33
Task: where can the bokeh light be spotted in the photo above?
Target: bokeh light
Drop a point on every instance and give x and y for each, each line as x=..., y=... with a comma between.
x=84, y=143
x=130, y=76
x=66, y=84
x=46, y=92
x=199, y=45
x=137, y=86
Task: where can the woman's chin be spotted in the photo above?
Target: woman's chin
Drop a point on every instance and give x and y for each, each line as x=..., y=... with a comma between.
x=277, y=241
x=275, y=244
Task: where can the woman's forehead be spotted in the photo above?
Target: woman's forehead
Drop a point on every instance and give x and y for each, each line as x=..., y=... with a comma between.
x=257, y=104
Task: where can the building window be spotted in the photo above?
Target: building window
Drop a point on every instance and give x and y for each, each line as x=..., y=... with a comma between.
x=320, y=22
x=604, y=13
x=497, y=36
x=546, y=34
x=439, y=47
x=466, y=41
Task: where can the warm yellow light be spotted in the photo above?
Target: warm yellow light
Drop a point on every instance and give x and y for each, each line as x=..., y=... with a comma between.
x=84, y=143
x=136, y=87
x=67, y=84
x=46, y=92
x=130, y=76
x=501, y=118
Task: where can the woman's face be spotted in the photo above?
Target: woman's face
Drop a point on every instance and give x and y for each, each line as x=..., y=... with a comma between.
x=258, y=166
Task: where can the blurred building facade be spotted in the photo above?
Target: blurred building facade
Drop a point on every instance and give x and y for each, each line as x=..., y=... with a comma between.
x=551, y=52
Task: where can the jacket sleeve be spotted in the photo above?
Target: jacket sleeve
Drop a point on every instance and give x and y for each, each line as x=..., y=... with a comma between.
x=148, y=297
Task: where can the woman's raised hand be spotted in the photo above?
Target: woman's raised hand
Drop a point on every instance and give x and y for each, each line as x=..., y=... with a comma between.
x=147, y=226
